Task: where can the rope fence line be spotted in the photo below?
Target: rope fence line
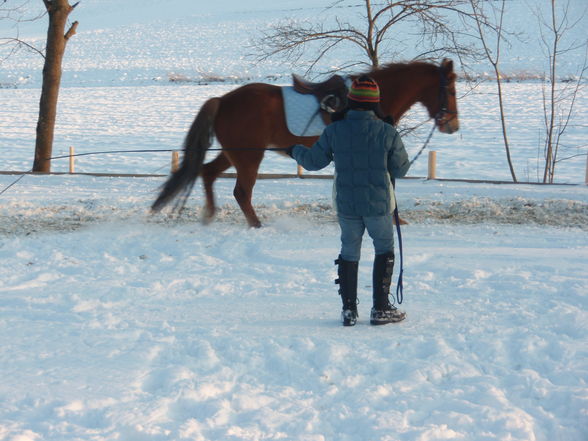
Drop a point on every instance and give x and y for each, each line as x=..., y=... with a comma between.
x=175, y=161
x=273, y=176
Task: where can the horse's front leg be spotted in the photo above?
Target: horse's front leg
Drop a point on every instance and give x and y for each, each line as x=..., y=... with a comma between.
x=243, y=193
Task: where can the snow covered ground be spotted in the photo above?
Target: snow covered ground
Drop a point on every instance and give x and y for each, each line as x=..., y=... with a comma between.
x=118, y=325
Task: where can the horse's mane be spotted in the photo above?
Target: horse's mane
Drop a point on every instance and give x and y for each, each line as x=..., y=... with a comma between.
x=399, y=67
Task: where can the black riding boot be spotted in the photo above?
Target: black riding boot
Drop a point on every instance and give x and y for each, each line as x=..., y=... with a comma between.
x=383, y=312
x=347, y=272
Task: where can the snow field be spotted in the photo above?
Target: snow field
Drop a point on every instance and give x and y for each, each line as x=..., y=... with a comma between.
x=106, y=119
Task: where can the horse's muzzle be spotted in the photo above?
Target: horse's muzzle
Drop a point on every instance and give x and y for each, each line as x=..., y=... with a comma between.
x=448, y=123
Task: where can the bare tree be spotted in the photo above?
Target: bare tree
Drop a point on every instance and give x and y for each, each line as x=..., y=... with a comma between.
x=484, y=27
x=558, y=99
x=58, y=12
x=57, y=38
x=429, y=21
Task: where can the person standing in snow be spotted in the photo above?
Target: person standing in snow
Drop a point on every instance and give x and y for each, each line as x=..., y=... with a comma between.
x=368, y=154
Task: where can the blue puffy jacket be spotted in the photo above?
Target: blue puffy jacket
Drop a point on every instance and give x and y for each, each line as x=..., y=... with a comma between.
x=368, y=153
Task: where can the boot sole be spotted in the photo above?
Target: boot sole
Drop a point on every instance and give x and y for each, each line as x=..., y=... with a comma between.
x=385, y=322
x=348, y=321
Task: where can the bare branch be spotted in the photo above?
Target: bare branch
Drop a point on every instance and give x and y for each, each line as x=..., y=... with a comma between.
x=16, y=14
x=72, y=30
x=19, y=42
x=567, y=158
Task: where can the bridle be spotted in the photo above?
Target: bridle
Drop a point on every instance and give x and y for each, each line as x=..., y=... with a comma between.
x=441, y=117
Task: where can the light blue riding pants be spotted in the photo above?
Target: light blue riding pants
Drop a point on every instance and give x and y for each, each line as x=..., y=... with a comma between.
x=380, y=229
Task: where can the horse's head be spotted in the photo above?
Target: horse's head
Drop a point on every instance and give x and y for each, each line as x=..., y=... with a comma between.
x=443, y=106
x=404, y=84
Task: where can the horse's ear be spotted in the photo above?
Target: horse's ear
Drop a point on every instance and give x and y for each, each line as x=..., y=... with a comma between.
x=447, y=65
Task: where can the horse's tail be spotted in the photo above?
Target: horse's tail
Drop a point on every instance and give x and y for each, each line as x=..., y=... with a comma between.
x=197, y=142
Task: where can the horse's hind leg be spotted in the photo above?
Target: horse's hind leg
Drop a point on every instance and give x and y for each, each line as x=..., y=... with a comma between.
x=210, y=172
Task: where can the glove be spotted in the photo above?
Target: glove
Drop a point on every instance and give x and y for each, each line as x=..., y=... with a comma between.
x=289, y=151
x=389, y=120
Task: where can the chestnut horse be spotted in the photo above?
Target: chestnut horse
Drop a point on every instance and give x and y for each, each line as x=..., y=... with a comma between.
x=251, y=119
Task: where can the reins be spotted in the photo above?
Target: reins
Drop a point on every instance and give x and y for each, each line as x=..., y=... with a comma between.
x=400, y=283
x=443, y=110
x=422, y=149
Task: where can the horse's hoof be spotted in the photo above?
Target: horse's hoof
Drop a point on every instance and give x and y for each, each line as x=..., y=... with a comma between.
x=207, y=216
x=206, y=220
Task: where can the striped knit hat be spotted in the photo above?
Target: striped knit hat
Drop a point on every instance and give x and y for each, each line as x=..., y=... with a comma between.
x=364, y=90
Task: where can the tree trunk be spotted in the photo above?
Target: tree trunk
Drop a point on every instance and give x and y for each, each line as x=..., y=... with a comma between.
x=549, y=157
x=58, y=11
x=503, y=123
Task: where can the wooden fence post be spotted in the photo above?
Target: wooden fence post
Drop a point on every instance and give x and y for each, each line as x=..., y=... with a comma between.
x=299, y=171
x=71, y=160
x=175, y=162
x=432, y=168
